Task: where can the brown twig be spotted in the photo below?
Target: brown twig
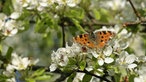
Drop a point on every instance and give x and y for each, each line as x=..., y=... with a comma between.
x=89, y=73
x=63, y=36
x=135, y=11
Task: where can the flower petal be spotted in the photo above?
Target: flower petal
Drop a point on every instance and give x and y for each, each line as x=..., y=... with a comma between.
x=53, y=67
x=130, y=59
x=108, y=60
x=108, y=51
x=100, y=62
x=131, y=66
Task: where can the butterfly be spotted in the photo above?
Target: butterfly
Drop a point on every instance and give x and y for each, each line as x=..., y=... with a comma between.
x=97, y=39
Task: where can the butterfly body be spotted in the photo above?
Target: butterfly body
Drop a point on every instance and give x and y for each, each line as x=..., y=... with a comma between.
x=96, y=40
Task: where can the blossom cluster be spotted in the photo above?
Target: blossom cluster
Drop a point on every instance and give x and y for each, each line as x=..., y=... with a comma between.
x=17, y=63
x=42, y=4
x=8, y=24
x=113, y=55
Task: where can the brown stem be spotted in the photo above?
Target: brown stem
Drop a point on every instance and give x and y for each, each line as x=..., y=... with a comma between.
x=135, y=11
x=63, y=36
x=89, y=73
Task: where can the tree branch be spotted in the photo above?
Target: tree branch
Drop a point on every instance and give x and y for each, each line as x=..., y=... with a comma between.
x=63, y=36
x=89, y=73
x=135, y=11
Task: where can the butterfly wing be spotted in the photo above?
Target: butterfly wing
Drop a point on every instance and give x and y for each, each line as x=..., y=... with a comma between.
x=84, y=40
x=102, y=37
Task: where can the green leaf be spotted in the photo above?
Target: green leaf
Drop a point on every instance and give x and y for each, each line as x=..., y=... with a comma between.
x=85, y=4
x=43, y=77
x=30, y=80
x=72, y=61
x=77, y=24
x=71, y=77
x=96, y=14
x=105, y=16
x=9, y=52
x=7, y=7
x=82, y=65
x=77, y=13
x=86, y=78
x=40, y=26
x=131, y=78
x=3, y=78
x=117, y=77
x=38, y=72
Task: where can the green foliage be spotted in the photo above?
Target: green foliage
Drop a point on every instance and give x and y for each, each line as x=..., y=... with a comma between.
x=76, y=13
x=9, y=52
x=96, y=14
x=86, y=78
x=38, y=75
x=78, y=26
x=82, y=65
x=117, y=77
x=8, y=7
x=131, y=78
x=71, y=77
x=3, y=78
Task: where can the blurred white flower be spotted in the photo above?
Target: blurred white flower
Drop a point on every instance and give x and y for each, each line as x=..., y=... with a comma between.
x=72, y=3
x=127, y=60
x=105, y=56
x=60, y=57
x=40, y=5
x=20, y=63
x=116, y=4
x=8, y=24
x=11, y=80
x=9, y=70
x=141, y=78
x=74, y=49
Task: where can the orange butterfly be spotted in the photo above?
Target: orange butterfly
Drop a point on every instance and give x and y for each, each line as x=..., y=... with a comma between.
x=96, y=40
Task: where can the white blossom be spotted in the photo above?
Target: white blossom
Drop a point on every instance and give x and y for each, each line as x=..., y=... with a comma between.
x=127, y=60
x=116, y=4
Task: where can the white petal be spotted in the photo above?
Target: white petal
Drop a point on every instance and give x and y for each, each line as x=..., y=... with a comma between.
x=94, y=54
x=44, y=4
x=15, y=15
x=109, y=60
x=123, y=55
x=108, y=51
x=131, y=66
x=123, y=32
x=53, y=67
x=130, y=59
x=34, y=62
x=13, y=32
x=10, y=68
x=138, y=79
x=124, y=44
x=100, y=62
x=78, y=77
x=90, y=68
x=25, y=62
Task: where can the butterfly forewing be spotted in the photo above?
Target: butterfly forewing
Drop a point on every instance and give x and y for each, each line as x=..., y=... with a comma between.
x=96, y=40
x=84, y=40
x=103, y=37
